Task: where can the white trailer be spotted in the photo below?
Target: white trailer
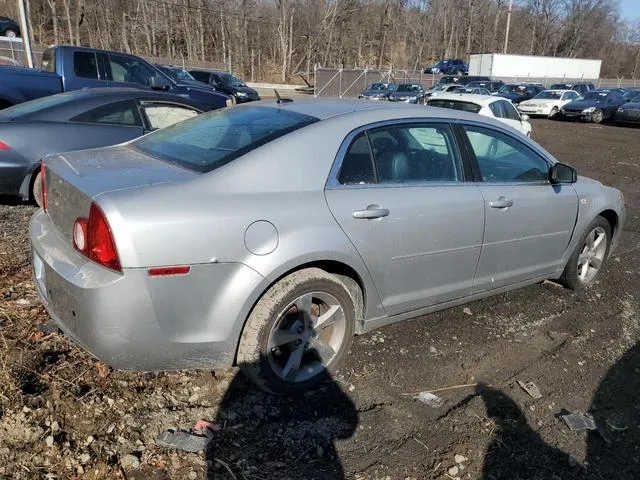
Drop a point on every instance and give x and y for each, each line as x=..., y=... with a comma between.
x=521, y=66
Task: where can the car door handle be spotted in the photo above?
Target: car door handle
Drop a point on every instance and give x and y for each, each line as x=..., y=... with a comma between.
x=372, y=211
x=501, y=202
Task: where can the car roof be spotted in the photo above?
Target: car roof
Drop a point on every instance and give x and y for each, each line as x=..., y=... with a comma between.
x=88, y=98
x=325, y=109
x=467, y=97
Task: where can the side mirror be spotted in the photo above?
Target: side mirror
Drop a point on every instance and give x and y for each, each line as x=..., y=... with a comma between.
x=525, y=118
x=156, y=84
x=562, y=173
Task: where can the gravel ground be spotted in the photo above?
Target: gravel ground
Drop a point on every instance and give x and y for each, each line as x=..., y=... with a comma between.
x=64, y=415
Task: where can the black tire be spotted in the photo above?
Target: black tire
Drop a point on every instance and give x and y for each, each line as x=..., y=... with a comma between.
x=254, y=355
x=570, y=277
x=36, y=189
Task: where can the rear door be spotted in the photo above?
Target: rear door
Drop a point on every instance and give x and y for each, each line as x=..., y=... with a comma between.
x=399, y=194
x=529, y=222
x=84, y=71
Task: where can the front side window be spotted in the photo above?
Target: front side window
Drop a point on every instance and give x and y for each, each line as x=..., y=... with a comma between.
x=85, y=65
x=161, y=115
x=130, y=70
x=510, y=111
x=119, y=113
x=496, y=109
x=402, y=154
x=209, y=141
x=502, y=158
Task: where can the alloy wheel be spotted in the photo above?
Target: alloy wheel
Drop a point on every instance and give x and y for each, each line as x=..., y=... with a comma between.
x=306, y=337
x=592, y=254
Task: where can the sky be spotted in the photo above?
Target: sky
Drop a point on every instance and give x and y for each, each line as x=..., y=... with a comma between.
x=630, y=9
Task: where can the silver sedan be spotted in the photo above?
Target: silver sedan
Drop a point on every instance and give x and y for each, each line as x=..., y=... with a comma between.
x=267, y=235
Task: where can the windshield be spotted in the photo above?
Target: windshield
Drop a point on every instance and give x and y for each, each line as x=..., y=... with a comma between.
x=378, y=86
x=549, y=95
x=209, y=141
x=455, y=105
x=407, y=87
x=593, y=96
x=232, y=80
x=518, y=89
x=634, y=97
x=37, y=105
x=177, y=74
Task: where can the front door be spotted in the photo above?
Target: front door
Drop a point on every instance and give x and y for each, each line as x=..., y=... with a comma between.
x=529, y=221
x=400, y=197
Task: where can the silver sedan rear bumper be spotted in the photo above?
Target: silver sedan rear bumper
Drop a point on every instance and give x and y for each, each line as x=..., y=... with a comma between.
x=133, y=321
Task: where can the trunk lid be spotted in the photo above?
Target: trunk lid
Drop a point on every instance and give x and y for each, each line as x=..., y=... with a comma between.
x=75, y=179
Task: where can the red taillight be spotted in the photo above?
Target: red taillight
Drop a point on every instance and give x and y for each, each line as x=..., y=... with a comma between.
x=93, y=238
x=4, y=146
x=43, y=186
x=163, y=271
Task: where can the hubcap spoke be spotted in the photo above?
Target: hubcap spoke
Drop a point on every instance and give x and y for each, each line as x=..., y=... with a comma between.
x=303, y=304
x=584, y=269
x=582, y=259
x=285, y=336
x=328, y=318
x=324, y=350
x=598, y=240
x=595, y=262
x=590, y=239
x=292, y=367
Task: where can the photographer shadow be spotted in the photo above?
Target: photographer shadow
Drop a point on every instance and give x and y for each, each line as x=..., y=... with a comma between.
x=613, y=449
x=266, y=436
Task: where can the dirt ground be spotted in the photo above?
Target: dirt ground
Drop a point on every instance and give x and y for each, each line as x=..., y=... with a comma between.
x=63, y=415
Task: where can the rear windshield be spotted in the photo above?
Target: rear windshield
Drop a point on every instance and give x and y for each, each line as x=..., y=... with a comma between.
x=209, y=141
x=549, y=95
x=455, y=105
x=35, y=106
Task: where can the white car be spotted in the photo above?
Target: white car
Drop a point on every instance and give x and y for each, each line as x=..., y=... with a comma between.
x=487, y=105
x=548, y=102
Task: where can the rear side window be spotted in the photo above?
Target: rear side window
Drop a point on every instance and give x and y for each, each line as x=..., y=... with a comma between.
x=48, y=63
x=200, y=76
x=85, y=65
x=455, y=105
x=209, y=141
x=357, y=166
x=120, y=113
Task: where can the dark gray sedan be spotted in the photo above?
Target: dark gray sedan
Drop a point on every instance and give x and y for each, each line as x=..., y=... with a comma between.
x=77, y=120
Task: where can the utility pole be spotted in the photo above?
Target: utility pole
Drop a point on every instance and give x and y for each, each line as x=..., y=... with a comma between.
x=506, y=35
x=24, y=28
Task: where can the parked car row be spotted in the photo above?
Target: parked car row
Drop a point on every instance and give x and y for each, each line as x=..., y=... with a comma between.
x=566, y=100
x=87, y=98
x=67, y=68
x=594, y=106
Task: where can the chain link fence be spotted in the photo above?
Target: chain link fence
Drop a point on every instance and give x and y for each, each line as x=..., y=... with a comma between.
x=348, y=83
